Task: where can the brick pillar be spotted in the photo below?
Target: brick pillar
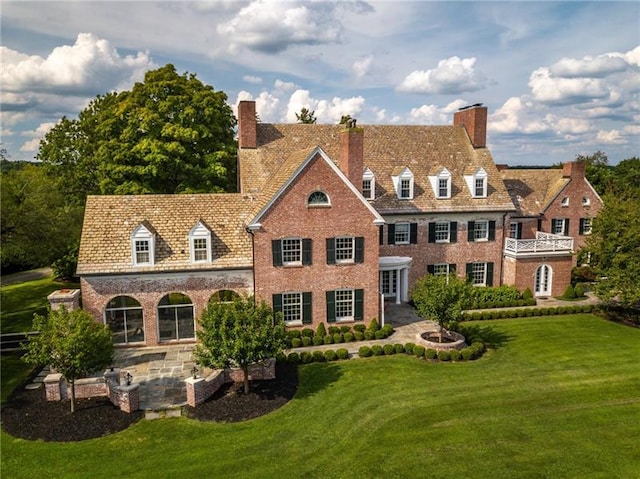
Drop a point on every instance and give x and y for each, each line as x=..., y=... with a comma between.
x=129, y=397
x=53, y=385
x=69, y=298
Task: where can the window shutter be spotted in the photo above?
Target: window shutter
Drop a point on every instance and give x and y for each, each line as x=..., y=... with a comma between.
x=331, y=306
x=492, y=230
x=431, y=268
x=358, y=307
x=331, y=251
x=413, y=233
x=276, y=250
x=277, y=303
x=452, y=268
x=518, y=230
x=432, y=233
x=307, y=318
x=566, y=227
x=453, y=232
x=489, y=274
x=581, y=229
x=359, y=249
x=469, y=271
x=540, y=224
x=306, y=251
x=471, y=226
x=381, y=235
x=391, y=234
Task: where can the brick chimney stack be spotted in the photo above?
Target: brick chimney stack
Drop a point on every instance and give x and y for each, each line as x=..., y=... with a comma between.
x=474, y=120
x=247, y=125
x=351, y=160
x=574, y=169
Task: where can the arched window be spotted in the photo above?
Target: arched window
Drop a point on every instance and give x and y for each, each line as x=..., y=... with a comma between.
x=123, y=315
x=318, y=198
x=176, y=317
x=224, y=296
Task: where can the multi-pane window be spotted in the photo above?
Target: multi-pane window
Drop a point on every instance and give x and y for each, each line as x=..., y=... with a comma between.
x=123, y=316
x=479, y=274
x=318, y=198
x=401, y=233
x=405, y=188
x=143, y=251
x=481, y=230
x=292, y=308
x=441, y=269
x=389, y=282
x=291, y=251
x=442, y=232
x=366, y=189
x=480, y=189
x=585, y=226
x=443, y=187
x=176, y=317
x=344, y=249
x=344, y=304
x=557, y=226
x=513, y=230
x=200, y=249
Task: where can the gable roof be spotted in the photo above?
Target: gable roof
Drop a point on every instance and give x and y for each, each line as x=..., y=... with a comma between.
x=105, y=245
x=533, y=190
x=425, y=150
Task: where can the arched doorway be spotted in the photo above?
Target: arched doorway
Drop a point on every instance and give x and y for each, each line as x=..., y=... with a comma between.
x=123, y=315
x=544, y=280
x=176, y=318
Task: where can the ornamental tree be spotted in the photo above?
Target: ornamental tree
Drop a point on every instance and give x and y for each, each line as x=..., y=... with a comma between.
x=72, y=343
x=239, y=334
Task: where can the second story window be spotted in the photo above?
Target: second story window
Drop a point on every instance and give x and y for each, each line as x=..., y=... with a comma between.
x=402, y=233
x=404, y=184
x=560, y=226
x=405, y=188
x=585, y=226
x=368, y=185
x=318, y=198
x=291, y=252
x=442, y=184
x=200, y=243
x=143, y=246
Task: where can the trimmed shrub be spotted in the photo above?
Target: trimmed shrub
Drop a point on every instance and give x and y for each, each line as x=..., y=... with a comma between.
x=293, y=333
x=318, y=357
x=387, y=329
x=359, y=335
x=380, y=334
x=569, y=293
x=296, y=342
x=306, y=341
x=455, y=355
x=468, y=354
x=486, y=315
x=476, y=316
x=373, y=325
x=520, y=313
x=365, y=352
x=530, y=312
x=527, y=294
x=293, y=358
x=359, y=328
x=281, y=357
x=369, y=335
x=418, y=351
x=338, y=338
x=348, y=337
x=444, y=356
x=334, y=330
x=377, y=350
x=479, y=346
x=306, y=357
x=408, y=348
x=388, y=349
x=328, y=339
x=321, y=331
x=431, y=354
x=399, y=348
x=342, y=353
x=307, y=332
x=587, y=308
x=330, y=355
x=345, y=329
x=531, y=302
x=579, y=290
x=318, y=340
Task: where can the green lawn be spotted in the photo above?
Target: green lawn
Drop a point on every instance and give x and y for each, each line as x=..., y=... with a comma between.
x=559, y=398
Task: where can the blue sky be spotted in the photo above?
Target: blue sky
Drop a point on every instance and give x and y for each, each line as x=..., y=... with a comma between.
x=559, y=78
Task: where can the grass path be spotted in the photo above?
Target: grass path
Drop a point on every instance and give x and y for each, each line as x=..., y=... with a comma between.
x=559, y=398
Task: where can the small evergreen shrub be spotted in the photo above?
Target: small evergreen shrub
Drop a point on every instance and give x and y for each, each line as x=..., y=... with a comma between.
x=587, y=308
x=377, y=350
x=318, y=340
x=306, y=341
x=281, y=357
x=338, y=338
x=373, y=325
x=334, y=330
x=431, y=354
x=359, y=328
x=358, y=335
x=306, y=357
x=569, y=293
x=365, y=352
x=418, y=351
x=486, y=315
x=318, y=357
x=307, y=333
x=330, y=355
x=321, y=331
x=579, y=290
x=529, y=312
x=408, y=348
x=467, y=354
x=296, y=342
x=369, y=335
x=345, y=329
x=380, y=334
x=444, y=356
x=476, y=316
x=328, y=339
x=348, y=337
x=388, y=349
x=530, y=302
x=455, y=355
x=527, y=294
x=520, y=313
x=387, y=329
x=399, y=348
x=479, y=346
x=342, y=353
x=293, y=333
x=293, y=358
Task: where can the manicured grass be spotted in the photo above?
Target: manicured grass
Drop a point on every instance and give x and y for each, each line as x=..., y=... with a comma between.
x=13, y=371
x=557, y=398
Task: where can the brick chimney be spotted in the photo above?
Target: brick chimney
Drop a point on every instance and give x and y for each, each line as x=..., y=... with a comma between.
x=351, y=154
x=247, y=124
x=573, y=169
x=474, y=120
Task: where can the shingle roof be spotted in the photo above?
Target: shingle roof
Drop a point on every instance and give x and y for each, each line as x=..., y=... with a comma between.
x=109, y=221
x=533, y=189
x=387, y=149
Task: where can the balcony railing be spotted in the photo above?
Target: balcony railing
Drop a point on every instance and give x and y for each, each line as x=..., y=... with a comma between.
x=544, y=243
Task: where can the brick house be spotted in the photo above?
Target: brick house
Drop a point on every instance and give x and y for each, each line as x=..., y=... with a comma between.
x=328, y=221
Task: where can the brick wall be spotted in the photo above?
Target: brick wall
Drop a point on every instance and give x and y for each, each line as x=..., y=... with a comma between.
x=522, y=272
x=291, y=217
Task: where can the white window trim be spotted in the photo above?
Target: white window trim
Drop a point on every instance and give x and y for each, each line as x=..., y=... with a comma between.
x=282, y=252
x=406, y=174
x=448, y=239
x=444, y=174
x=586, y=201
x=475, y=227
x=142, y=233
x=199, y=231
x=353, y=250
x=352, y=301
x=565, y=202
x=470, y=180
x=436, y=265
x=484, y=273
x=318, y=205
x=586, y=231
x=369, y=176
x=555, y=221
x=395, y=236
x=294, y=322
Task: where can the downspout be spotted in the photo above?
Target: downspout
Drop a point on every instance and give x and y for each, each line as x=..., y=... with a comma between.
x=504, y=224
x=253, y=261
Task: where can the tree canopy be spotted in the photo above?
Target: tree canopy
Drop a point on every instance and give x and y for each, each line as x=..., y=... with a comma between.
x=306, y=116
x=441, y=298
x=238, y=334
x=71, y=342
x=169, y=134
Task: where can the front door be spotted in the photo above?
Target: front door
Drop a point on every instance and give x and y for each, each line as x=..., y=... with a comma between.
x=544, y=277
x=389, y=283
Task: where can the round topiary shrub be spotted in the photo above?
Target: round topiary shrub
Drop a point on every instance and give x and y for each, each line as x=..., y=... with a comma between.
x=293, y=333
x=455, y=355
x=359, y=328
x=369, y=335
x=318, y=340
x=293, y=358
x=479, y=346
x=399, y=348
x=373, y=325
x=387, y=329
x=587, y=308
x=306, y=357
x=318, y=357
x=377, y=350
x=365, y=352
x=307, y=332
x=333, y=330
x=296, y=342
x=345, y=329
x=579, y=290
x=330, y=355
x=281, y=357
x=569, y=293
x=444, y=355
x=531, y=302
x=520, y=313
x=328, y=339
x=388, y=349
x=379, y=334
x=338, y=338
x=530, y=312
x=468, y=354
x=418, y=351
x=342, y=353
x=306, y=341
x=431, y=354
x=358, y=335
x=408, y=348
x=348, y=337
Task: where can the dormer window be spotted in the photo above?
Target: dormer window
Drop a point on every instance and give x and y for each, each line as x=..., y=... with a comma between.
x=318, y=198
x=441, y=184
x=143, y=246
x=477, y=183
x=404, y=184
x=368, y=185
x=565, y=201
x=200, y=243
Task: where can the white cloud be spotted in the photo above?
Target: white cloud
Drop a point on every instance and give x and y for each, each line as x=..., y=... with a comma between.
x=593, y=67
x=571, y=126
x=252, y=79
x=425, y=115
x=514, y=117
x=453, y=75
x=284, y=86
x=610, y=137
x=325, y=111
x=31, y=145
x=632, y=129
x=553, y=90
x=362, y=67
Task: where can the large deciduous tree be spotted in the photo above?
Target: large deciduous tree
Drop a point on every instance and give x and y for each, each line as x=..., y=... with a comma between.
x=72, y=343
x=238, y=334
x=168, y=134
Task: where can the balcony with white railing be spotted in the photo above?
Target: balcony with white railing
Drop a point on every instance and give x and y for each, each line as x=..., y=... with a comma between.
x=545, y=244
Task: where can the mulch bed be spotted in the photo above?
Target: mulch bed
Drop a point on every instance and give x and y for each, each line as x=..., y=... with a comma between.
x=28, y=415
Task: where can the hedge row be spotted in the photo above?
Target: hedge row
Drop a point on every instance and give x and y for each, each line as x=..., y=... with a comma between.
x=306, y=357
x=474, y=351
x=526, y=312
x=499, y=297
x=297, y=338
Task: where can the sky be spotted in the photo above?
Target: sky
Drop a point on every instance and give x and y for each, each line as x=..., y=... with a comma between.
x=559, y=78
